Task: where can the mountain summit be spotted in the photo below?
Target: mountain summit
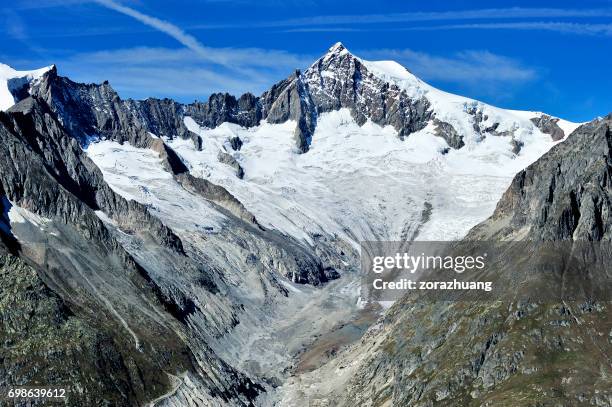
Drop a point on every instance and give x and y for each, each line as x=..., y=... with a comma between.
x=14, y=84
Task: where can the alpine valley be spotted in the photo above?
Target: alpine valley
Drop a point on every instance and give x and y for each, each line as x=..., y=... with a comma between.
x=208, y=254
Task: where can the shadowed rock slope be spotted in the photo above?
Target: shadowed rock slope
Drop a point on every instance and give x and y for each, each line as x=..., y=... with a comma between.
x=76, y=306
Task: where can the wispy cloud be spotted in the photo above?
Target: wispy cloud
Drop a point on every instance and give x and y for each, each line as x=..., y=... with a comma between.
x=242, y=61
x=166, y=27
x=13, y=25
x=564, y=27
x=423, y=16
x=323, y=29
x=42, y=4
x=192, y=71
x=235, y=58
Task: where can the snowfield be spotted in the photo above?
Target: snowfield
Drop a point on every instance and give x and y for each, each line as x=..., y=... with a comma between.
x=362, y=183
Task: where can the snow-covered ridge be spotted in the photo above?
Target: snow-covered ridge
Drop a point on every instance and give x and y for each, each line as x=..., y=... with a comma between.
x=470, y=118
x=12, y=80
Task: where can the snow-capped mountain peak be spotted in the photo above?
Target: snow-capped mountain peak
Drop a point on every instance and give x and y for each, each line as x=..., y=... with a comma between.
x=389, y=71
x=387, y=93
x=337, y=48
x=14, y=83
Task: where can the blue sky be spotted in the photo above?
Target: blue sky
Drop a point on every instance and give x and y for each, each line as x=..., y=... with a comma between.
x=531, y=55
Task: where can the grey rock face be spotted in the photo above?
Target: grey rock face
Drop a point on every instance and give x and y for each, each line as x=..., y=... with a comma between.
x=339, y=80
x=548, y=125
x=216, y=194
x=223, y=107
x=89, y=110
x=448, y=133
x=96, y=111
x=164, y=117
x=566, y=194
x=226, y=158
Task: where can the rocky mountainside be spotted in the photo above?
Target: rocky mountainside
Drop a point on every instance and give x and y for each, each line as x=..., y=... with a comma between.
x=566, y=194
x=83, y=277
x=383, y=92
x=195, y=252
x=518, y=349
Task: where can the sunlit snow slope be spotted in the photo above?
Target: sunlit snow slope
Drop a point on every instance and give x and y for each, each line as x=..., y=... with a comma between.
x=363, y=182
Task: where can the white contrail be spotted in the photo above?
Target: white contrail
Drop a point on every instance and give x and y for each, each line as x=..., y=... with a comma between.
x=172, y=30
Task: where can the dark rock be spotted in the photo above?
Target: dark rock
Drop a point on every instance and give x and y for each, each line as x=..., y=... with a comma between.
x=235, y=143
x=217, y=195
x=517, y=145
x=566, y=194
x=448, y=133
x=226, y=158
x=223, y=107
x=548, y=125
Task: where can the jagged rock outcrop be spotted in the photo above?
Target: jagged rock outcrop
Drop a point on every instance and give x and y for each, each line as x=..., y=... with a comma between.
x=235, y=143
x=223, y=107
x=228, y=159
x=216, y=194
x=340, y=80
x=548, y=125
x=449, y=134
x=566, y=194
